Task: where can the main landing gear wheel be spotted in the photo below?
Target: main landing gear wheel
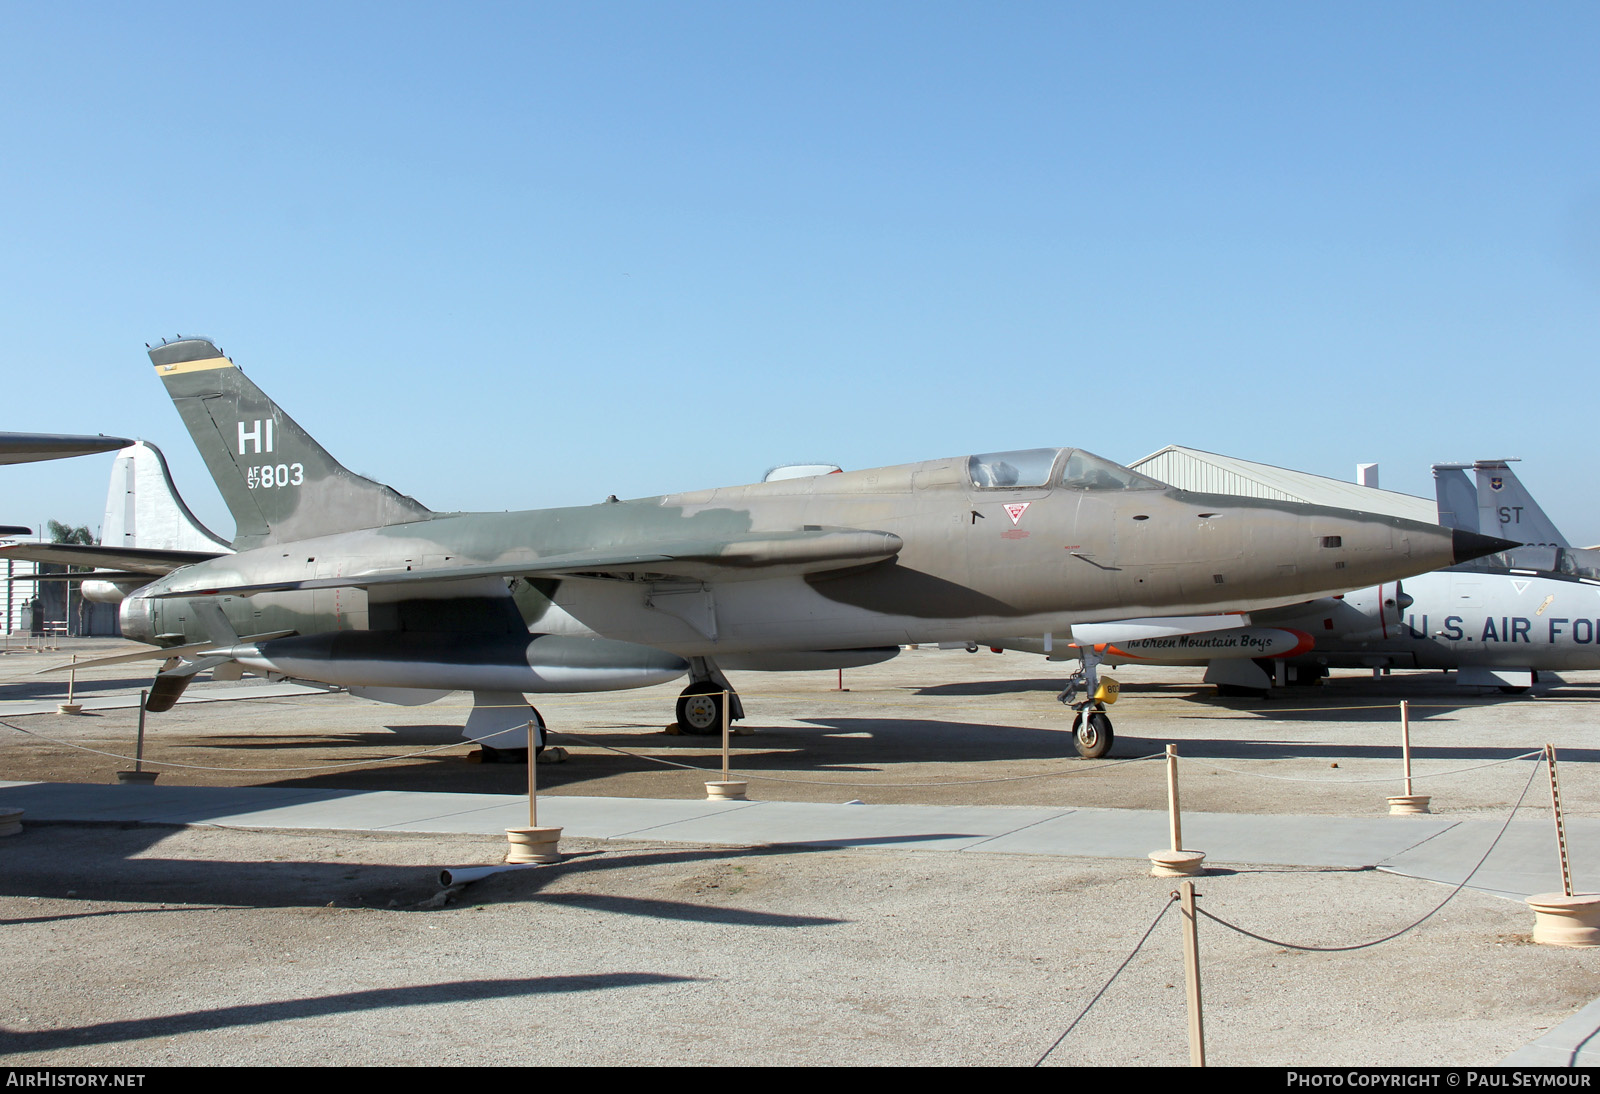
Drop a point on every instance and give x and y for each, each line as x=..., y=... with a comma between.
x=700, y=709
x=1092, y=735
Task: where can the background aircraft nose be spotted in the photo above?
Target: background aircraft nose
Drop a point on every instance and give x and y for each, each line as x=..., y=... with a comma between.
x=1471, y=545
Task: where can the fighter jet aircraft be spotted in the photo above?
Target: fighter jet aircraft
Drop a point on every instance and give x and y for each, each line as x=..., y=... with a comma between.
x=339, y=579
x=1497, y=621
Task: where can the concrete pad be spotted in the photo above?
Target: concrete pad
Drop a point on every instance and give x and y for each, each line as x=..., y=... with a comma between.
x=631, y=818
x=1574, y=1043
x=372, y=810
x=1431, y=848
x=1224, y=837
x=150, y=804
x=908, y=827
x=1524, y=862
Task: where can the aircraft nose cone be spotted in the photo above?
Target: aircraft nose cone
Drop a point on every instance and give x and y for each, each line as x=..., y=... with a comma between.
x=1470, y=545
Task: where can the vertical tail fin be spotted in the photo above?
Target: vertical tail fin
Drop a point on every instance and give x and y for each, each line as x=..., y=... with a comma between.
x=143, y=508
x=1505, y=508
x=278, y=482
x=1458, y=501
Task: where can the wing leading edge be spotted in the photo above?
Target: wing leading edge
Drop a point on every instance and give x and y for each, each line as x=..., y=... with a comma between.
x=762, y=555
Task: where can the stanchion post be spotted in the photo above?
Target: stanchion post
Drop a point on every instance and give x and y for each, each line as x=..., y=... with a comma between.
x=1405, y=740
x=139, y=776
x=1565, y=918
x=533, y=844
x=1174, y=813
x=1407, y=802
x=138, y=745
x=1191, y=975
x=71, y=707
x=533, y=779
x=1561, y=826
x=728, y=789
x=1175, y=861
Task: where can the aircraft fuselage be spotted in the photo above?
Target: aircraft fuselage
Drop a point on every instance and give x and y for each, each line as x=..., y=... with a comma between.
x=974, y=562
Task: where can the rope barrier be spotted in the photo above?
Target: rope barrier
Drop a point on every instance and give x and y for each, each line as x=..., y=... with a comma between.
x=1137, y=946
x=1390, y=937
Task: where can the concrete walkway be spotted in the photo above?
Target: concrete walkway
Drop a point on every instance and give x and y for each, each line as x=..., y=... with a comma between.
x=1434, y=848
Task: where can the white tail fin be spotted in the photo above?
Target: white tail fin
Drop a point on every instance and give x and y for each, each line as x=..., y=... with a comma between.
x=143, y=508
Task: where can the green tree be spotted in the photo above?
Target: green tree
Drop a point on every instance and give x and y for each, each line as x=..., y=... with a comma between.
x=65, y=533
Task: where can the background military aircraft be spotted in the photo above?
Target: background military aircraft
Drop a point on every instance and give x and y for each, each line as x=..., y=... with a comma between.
x=146, y=526
x=338, y=579
x=1500, y=620
x=33, y=447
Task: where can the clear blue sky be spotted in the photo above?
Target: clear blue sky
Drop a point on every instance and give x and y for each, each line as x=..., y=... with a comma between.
x=516, y=255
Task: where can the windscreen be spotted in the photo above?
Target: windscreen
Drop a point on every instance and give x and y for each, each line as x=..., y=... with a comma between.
x=1086, y=471
x=1001, y=470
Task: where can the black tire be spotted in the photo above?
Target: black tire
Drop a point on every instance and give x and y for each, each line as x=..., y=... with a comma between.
x=1512, y=689
x=699, y=711
x=1095, y=739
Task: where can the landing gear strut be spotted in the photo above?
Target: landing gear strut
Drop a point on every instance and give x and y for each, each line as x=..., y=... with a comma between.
x=1091, y=726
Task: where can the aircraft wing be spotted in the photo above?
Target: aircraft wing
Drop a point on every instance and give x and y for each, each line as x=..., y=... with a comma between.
x=31, y=447
x=757, y=555
x=137, y=559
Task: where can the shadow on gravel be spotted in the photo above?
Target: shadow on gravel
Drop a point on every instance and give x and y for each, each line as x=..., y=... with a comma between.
x=812, y=751
x=256, y=1014
x=99, y=863
x=994, y=687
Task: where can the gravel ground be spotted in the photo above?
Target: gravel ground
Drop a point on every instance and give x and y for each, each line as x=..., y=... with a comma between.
x=200, y=946
x=146, y=945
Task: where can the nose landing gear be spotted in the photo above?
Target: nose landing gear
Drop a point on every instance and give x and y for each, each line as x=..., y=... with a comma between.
x=1091, y=726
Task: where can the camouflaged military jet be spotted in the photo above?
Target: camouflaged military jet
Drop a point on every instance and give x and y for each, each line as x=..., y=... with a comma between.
x=340, y=580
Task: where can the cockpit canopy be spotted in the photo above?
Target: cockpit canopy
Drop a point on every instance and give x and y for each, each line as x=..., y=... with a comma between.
x=1037, y=468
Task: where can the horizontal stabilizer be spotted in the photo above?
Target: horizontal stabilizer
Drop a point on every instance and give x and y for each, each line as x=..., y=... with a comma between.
x=157, y=653
x=139, y=560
